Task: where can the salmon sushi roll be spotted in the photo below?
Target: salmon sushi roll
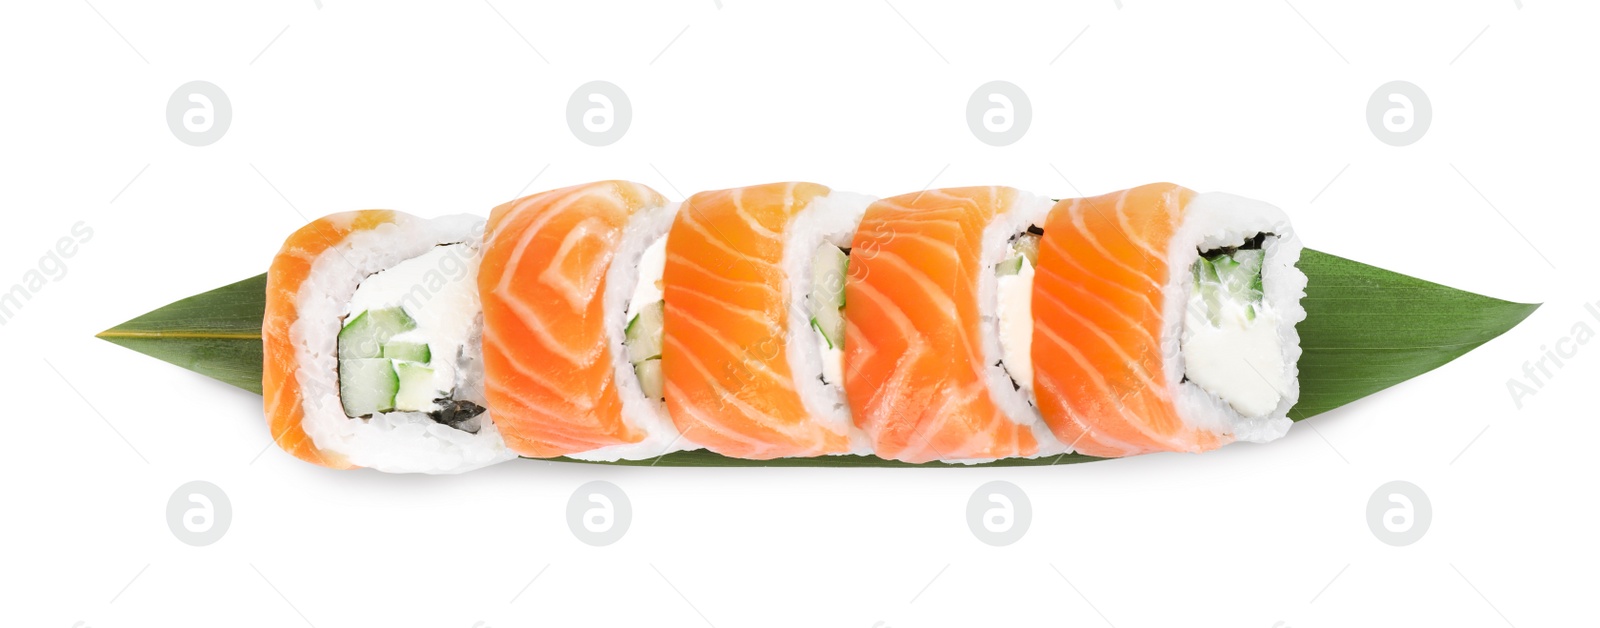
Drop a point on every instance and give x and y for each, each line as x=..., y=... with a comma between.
x=1164, y=320
x=571, y=286
x=371, y=345
x=938, y=326
x=754, y=335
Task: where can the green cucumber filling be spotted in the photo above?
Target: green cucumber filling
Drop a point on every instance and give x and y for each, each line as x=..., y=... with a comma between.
x=1231, y=343
x=830, y=265
x=1024, y=247
x=378, y=373
x=400, y=350
x=1013, y=305
x=642, y=337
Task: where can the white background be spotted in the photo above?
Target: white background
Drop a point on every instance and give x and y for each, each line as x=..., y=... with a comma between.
x=438, y=108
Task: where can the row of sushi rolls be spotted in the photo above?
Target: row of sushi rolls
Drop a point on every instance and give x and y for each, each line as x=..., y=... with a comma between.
x=603, y=322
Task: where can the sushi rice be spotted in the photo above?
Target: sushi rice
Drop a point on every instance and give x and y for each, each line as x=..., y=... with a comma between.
x=1237, y=375
x=411, y=396
x=570, y=281
x=1166, y=320
x=738, y=286
x=1005, y=305
x=816, y=262
x=927, y=371
x=633, y=293
x=397, y=441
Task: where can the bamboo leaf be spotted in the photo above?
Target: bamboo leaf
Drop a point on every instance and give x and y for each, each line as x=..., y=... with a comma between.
x=216, y=334
x=1366, y=329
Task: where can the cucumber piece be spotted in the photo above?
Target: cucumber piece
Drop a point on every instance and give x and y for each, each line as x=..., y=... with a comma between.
x=1250, y=262
x=1233, y=276
x=1209, y=289
x=817, y=325
x=1239, y=274
x=417, y=392
x=408, y=351
x=358, y=339
x=643, y=335
x=364, y=336
x=1010, y=266
x=831, y=324
x=829, y=268
x=650, y=380
x=1028, y=245
x=367, y=386
x=393, y=320
x=1205, y=271
x=845, y=273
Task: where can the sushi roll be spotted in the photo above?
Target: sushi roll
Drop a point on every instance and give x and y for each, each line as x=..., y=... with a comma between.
x=1164, y=320
x=752, y=350
x=938, y=326
x=371, y=345
x=571, y=285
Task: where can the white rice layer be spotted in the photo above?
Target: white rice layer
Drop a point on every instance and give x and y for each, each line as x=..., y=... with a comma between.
x=1217, y=220
x=633, y=281
x=395, y=442
x=833, y=219
x=1011, y=317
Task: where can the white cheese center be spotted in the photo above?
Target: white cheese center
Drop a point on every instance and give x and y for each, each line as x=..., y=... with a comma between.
x=1014, y=302
x=1239, y=359
x=832, y=360
x=438, y=289
x=648, y=290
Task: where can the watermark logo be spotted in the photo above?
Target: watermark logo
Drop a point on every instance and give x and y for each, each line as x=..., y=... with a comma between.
x=1398, y=513
x=999, y=513
x=199, y=113
x=598, y=513
x=599, y=113
x=1399, y=113
x=998, y=113
x=198, y=513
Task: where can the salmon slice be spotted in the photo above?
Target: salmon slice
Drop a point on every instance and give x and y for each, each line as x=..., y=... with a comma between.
x=724, y=355
x=1098, y=308
x=548, y=366
x=914, y=365
x=283, y=398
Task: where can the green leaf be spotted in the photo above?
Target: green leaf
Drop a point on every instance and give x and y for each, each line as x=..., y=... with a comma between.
x=1366, y=329
x=216, y=334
